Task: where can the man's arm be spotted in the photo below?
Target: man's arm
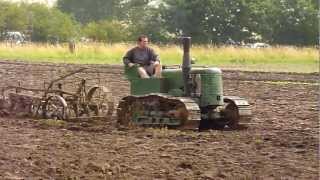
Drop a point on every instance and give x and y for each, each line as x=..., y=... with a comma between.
x=154, y=57
x=127, y=59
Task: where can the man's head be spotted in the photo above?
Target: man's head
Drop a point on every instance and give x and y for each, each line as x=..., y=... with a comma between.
x=143, y=41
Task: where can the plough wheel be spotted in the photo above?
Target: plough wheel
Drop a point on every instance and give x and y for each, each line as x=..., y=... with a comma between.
x=100, y=101
x=55, y=107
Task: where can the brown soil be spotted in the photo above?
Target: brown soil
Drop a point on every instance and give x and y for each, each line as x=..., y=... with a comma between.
x=281, y=142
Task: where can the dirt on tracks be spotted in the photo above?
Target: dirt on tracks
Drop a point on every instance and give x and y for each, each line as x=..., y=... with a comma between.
x=281, y=142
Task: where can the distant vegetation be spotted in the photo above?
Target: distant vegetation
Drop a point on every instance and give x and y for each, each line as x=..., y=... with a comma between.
x=102, y=30
x=282, y=58
x=289, y=22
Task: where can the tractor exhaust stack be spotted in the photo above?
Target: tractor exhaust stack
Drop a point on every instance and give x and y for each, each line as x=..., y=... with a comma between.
x=186, y=65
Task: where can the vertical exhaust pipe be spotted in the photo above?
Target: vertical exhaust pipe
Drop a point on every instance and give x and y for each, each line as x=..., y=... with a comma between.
x=186, y=65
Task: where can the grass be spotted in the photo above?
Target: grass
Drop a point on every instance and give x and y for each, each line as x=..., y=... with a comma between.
x=280, y=59
x=52, y=123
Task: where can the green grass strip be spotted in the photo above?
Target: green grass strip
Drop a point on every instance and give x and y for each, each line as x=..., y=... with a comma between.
x=278, y=59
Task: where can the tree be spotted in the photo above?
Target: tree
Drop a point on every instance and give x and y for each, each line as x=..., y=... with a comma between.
x=12, y=17
x=208, y=20
x=106, y=31
x=286, y=21
x=280, y=22
x=51, y=24
x=144, y=17
x=85, y=11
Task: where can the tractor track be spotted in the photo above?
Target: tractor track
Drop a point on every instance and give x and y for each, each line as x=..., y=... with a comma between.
x=281, y=142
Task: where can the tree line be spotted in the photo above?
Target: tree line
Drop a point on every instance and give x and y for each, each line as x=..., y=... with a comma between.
x=293, y=22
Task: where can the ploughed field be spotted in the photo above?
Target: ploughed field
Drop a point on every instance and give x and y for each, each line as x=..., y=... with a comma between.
x=281, y=142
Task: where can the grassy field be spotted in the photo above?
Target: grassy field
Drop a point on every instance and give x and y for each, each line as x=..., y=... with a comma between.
x=283, y=59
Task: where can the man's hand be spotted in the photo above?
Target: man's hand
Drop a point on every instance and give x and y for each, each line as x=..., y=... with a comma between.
x=130, y=65
x=154, y=62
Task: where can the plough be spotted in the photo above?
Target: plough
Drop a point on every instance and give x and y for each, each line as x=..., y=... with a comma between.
x=55, y=102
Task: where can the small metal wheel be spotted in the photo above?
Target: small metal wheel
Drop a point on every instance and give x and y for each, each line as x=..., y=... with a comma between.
x=100, y=101
x=55, y=107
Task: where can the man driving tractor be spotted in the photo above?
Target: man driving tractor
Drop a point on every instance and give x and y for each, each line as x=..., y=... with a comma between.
x=145, y=57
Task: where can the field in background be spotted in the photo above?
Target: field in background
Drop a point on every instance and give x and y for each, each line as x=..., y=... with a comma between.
x=280, y=59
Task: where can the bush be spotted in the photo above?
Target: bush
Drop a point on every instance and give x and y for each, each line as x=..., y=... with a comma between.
x=38, y=21
x=106, y=31
x=51, y=24
x=13, y=17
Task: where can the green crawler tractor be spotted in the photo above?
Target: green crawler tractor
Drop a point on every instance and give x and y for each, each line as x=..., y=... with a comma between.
x=184, y=98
